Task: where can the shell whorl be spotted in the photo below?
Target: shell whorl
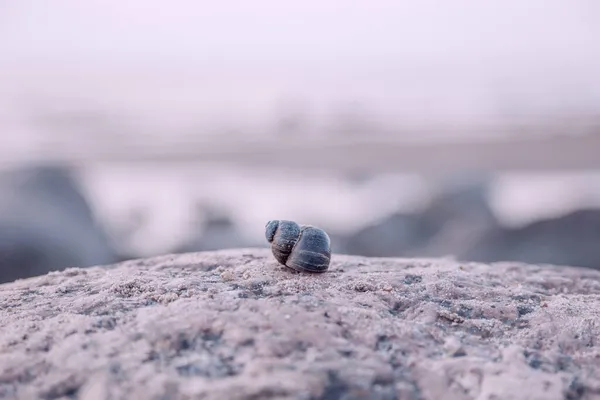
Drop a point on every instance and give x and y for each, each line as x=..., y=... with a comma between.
x=300, y=247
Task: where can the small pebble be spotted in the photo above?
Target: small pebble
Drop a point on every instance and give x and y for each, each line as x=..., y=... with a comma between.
x=227, y=276
x=454, y=347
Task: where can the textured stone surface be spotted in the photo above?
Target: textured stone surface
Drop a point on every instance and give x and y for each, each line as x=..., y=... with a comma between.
x=236, y=325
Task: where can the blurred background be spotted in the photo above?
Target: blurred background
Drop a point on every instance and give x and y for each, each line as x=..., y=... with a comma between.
x=403, y=128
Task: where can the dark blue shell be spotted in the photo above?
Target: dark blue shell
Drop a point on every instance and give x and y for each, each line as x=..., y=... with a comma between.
x=303, y=248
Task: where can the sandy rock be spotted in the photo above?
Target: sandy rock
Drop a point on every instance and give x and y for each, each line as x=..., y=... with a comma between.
x=236, y=325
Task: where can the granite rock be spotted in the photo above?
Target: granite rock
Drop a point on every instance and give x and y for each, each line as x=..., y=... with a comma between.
x=234, y=324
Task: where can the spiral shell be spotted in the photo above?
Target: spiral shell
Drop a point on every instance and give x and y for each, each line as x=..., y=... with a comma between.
x=303, y=248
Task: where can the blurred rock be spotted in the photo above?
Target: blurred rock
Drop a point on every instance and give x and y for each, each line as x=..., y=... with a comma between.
x=217, y=231
x=572, y=239
x=46, y=224
x=395, y=235
x=456, y=218
x=451, y=222
x=235, y=325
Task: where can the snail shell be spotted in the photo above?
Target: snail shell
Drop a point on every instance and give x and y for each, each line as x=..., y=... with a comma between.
x=303, y=248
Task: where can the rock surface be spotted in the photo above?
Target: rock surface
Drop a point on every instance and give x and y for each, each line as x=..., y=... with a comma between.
x=236, y=325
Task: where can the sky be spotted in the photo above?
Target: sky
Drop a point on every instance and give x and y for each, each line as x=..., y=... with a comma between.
x=188, y=60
